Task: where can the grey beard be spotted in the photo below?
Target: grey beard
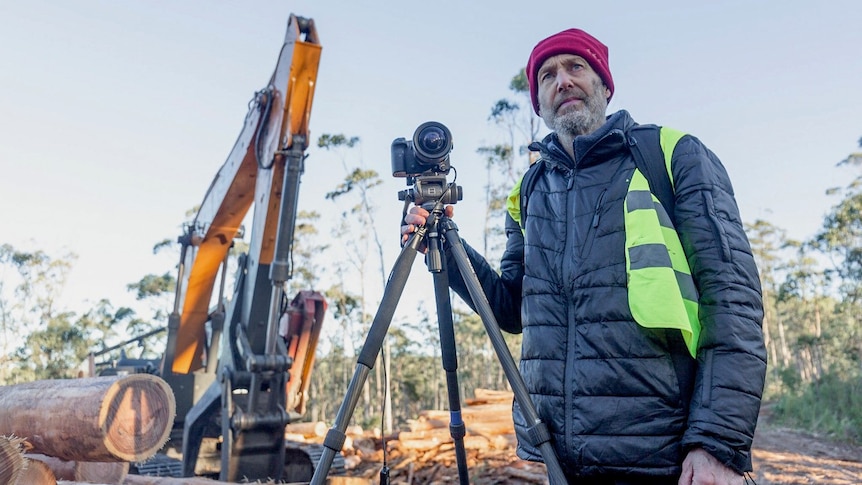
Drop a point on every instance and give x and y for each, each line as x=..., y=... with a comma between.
x=583, y=121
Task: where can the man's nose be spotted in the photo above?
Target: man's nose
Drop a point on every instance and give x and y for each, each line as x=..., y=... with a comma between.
x=564, y=80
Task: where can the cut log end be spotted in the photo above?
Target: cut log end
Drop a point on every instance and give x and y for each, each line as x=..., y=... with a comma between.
x=36, y=473
x=12, y=462
x=133, y=416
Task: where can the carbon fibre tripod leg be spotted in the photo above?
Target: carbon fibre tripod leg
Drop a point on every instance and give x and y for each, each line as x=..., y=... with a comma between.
x=539, y=435
x=334, y=440
x=457, y=429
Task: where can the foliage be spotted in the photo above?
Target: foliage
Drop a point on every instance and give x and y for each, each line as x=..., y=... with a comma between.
x=813, y=313
x=831, y=406
x=153, y=285
x=840, y=237
x=28, y=313
x=505, y=162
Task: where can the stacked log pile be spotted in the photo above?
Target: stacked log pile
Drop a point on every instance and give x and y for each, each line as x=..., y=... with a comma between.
x=86, y=430
x=425, y=454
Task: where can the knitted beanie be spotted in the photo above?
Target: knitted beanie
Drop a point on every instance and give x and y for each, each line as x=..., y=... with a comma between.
x=571, y=41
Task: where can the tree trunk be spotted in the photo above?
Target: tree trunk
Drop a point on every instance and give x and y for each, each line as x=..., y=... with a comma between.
x=785, y=350
x=92, y=419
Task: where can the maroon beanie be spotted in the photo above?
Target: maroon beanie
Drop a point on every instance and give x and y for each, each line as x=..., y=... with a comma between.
x=572, y=41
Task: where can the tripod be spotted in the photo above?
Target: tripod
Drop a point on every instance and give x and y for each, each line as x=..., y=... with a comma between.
x=437, y=231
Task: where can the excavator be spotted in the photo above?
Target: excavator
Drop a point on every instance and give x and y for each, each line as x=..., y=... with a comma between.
x=240, y=367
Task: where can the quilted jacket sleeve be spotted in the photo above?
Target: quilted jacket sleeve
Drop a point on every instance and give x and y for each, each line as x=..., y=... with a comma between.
x=731, y=357
x=503, y=289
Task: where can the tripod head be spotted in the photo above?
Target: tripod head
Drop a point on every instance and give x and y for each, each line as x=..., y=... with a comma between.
x=431, y=189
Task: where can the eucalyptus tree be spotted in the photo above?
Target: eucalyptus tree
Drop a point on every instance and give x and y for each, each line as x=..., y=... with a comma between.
x=39, y=339
x=357, y=229
x=506, y=161
x=840, y=239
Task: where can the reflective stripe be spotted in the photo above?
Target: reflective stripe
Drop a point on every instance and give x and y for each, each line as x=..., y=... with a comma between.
x=663, y=218
x=639, y=199
x=649, y=256
x=686, y=286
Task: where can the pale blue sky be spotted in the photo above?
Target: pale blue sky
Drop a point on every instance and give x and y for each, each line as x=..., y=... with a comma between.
x=116, y=115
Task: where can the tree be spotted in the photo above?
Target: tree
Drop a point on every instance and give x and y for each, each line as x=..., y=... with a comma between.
x=357, y=229
x=766, y=241
x=305, y=269
x=840, y=239
x=503, y=170
x=53, y=351
x=27, y=307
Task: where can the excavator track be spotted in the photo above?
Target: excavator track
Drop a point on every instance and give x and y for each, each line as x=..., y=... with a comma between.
x=300, y=460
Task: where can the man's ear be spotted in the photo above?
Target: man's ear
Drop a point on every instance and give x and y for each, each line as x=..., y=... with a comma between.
x=607, y=92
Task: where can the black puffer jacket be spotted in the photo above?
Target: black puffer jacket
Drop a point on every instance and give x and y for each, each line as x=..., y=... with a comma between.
x=617, y=397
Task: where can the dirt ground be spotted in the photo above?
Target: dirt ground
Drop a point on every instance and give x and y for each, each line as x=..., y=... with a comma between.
x=788, y=457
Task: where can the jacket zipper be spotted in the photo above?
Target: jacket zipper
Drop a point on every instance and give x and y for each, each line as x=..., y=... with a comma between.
x=597, y=214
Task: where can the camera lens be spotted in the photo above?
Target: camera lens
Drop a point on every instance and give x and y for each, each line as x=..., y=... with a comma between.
x=432, y=142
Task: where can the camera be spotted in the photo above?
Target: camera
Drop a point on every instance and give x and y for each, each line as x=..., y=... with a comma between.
x=427, y=153
x=424, y=161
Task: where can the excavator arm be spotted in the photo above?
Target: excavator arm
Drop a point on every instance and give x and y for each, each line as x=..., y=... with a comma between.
x=277, y=122
x=250, y=383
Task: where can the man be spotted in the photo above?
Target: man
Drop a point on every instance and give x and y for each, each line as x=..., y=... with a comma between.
x=627, y=401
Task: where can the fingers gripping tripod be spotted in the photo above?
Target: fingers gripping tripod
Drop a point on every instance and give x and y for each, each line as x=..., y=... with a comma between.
x=437, y=231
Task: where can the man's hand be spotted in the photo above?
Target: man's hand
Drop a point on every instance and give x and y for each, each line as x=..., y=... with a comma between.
x=701, y=468
x=416, y=217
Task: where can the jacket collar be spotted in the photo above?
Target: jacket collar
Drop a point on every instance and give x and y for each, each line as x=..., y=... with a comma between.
x=589, y=149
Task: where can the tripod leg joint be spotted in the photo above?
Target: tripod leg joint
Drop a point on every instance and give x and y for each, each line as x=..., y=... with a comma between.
x=457, y=430
x=334, y=440
x=538, y=434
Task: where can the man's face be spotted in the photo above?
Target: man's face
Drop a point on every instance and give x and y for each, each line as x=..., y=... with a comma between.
x=572, y=97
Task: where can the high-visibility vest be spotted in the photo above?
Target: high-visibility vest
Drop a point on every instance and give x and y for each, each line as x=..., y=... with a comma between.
x=661, y=290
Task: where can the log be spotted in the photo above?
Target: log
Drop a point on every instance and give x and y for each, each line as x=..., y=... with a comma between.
x=483, y=396
x=36, y=473
x=145, y=480
x=316, y=429
x=12, y=461
x=117, y=418
x=84, y=471
x=486, y=420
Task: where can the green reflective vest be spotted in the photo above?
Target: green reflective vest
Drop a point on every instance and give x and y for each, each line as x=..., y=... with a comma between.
x=661, y=290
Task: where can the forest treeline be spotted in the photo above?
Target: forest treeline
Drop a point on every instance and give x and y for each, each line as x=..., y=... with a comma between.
x=812, y=292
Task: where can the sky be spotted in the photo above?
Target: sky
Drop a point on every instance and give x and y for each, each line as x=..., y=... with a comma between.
x=116, y=115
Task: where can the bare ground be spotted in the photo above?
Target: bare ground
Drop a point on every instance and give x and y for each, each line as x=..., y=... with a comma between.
x=789, y=457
